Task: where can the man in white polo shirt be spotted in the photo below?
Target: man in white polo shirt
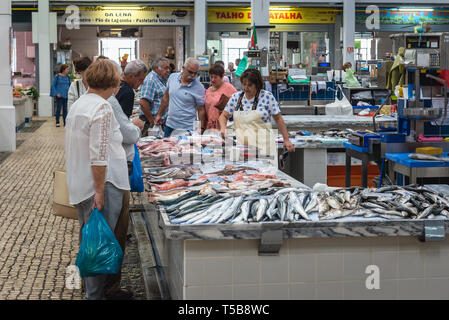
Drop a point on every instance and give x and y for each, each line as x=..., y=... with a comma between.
x=184, y=98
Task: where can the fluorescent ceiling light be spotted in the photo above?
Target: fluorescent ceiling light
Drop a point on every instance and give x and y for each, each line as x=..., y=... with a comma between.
x=121, y=8
x=415, y=9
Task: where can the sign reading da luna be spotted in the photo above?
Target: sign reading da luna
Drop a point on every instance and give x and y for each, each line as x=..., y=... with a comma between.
x=291, y=15
x=135, y=17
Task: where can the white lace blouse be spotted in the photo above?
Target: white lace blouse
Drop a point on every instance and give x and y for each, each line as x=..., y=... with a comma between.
x=93, y=138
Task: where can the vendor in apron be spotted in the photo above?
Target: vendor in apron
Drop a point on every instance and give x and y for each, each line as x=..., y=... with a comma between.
x=252, y=110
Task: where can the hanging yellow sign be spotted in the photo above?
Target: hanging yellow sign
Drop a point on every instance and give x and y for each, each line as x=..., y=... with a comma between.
x=277, y=15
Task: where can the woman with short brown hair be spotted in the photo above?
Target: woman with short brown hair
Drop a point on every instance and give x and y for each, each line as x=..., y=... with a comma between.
x=252, y=110
x=217, y=96
x=59, y=90
x=97, y=170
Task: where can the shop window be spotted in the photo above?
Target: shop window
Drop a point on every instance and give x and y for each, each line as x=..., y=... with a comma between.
x=233, y=49
x=363, y=49
x=114, y=48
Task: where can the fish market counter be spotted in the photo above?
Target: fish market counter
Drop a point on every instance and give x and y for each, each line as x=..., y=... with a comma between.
x=308, y=164
x=314, y=123
x=346, y=259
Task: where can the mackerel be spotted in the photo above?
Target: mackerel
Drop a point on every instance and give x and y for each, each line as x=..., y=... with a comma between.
x=261, y=210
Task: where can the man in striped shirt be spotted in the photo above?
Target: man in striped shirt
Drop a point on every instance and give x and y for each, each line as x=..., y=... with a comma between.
x=153, y=90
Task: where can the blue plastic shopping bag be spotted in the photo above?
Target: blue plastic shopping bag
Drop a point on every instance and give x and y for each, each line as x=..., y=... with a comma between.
x=100, y=252
x=135, y=179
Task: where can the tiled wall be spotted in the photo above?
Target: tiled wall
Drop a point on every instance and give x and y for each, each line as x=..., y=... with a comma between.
x=317, y=269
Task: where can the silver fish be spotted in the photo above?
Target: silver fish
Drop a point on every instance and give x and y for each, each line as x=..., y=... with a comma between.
x=333, y=203
x=323, y=206
x=336, y=214
x=225, y=206
x=271, y=208
x=229, y=212
x=387, y=212
x=347, y=196
x=426, y=212
x=263, y=204
x=282, y=208
x=312, y=203
x=426, y=157
x=445, y=213
x=246, y=206
x=187, y=217
x=296, y=204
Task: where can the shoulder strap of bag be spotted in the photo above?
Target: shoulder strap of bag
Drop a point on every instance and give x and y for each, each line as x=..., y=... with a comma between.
x=239, y=103
x=256, y=100
x=78, y=87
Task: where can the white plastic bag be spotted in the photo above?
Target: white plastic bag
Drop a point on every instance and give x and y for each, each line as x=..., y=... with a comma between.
x=339, y=108
x=156, y=131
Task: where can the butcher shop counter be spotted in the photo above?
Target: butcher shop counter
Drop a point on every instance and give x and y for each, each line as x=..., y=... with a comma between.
x=315, y=123
x=353, y=259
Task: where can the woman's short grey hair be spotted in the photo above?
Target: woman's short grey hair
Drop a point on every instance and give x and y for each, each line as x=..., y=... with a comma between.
x=135, y=67
x=191, y=61
x=157, y=64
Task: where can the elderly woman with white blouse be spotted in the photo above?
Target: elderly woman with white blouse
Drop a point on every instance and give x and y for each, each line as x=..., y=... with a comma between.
x=97, y=172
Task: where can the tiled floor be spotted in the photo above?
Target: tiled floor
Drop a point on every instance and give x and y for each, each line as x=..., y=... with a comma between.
x=36, y=246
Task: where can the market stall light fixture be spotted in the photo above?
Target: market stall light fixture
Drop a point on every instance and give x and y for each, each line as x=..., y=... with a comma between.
x=415, y=9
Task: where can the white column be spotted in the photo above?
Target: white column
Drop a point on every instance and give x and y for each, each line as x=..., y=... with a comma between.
x=260, y=16
x=200, y=25
x=45, y=106
x=7, y=110
x=348, y=30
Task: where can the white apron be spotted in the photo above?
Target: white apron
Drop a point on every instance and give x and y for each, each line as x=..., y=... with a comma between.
x=251, y=130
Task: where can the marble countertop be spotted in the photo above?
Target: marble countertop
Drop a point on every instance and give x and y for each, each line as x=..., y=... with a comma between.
x=328, y=121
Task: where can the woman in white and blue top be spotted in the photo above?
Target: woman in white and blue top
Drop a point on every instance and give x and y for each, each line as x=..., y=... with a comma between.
x=252, y=110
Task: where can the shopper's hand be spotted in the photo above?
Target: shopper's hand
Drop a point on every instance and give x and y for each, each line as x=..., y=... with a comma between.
x=98, y=200
x=58, y=95
x=289, y=146
x=223, y=133
x=139, y=123
x=158, y=120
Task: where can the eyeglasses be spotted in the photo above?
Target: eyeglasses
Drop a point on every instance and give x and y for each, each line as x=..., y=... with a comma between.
x=192, y=72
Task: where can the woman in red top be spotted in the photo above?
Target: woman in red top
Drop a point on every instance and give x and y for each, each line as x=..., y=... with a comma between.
x=217, y=96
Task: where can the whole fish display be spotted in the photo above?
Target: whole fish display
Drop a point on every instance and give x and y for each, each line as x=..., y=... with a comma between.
x=297, y=205
x=220, y=194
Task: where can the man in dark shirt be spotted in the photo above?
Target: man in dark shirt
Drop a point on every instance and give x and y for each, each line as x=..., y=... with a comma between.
x=134, y=75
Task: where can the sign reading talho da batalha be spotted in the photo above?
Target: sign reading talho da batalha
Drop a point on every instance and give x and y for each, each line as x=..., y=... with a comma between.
x=129, y=17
